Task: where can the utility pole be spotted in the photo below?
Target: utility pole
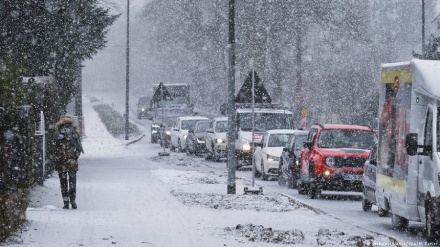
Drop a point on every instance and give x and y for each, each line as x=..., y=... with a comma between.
x=231, y=102
x=127, y=73
x=423, y=30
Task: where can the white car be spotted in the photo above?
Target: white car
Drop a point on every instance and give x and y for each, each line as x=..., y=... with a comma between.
x=179, y=131
x=268, y=152
x=215, y=139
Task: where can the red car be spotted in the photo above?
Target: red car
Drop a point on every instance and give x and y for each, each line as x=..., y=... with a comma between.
x=333, y=158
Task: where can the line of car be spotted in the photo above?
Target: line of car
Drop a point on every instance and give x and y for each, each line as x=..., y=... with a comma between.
x=329, y=157
x=196, y=135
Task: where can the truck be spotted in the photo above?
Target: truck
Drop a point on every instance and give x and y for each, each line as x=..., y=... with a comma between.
x=408, y=163
x=169, y=101
x=253, y=98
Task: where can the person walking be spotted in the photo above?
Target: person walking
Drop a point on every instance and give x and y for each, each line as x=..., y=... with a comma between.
x=67, y=151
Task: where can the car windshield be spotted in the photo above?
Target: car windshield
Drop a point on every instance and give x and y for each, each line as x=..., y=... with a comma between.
x=264, y=121
x=172, y=112
x=201, y=127
x=188, y=124
x=358, y=139
x=278, y=140
x=144, y=101
x=299, y=142
x=221, y=126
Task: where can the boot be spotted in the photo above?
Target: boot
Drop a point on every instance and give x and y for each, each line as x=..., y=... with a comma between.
x=66, y=205
x=73, y=205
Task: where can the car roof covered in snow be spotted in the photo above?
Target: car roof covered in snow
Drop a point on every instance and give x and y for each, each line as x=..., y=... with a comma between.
x=282, y=131
x=193, y=118
x=263, y=110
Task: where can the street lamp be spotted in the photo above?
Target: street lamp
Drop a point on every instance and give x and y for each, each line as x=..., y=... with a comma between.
x=231, y=189
x=127, y=70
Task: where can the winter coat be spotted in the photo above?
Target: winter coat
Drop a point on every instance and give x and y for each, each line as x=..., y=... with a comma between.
x=67, y=145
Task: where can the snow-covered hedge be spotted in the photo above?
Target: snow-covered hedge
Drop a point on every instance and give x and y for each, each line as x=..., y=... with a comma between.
x=114, y=121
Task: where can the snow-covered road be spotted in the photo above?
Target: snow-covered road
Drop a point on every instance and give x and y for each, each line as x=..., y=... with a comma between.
x=128, y=196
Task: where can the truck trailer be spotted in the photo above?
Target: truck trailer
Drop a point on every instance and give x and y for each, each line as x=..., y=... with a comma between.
x=408, y=167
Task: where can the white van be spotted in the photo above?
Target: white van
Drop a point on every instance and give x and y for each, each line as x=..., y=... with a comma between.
x=408, y=167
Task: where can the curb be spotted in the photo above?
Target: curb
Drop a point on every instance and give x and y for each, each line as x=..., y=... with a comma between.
x=134, y=141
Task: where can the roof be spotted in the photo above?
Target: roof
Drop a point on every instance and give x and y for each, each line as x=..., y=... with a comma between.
x=193, y=118
x=344, y=126
x=263, y=110
x=220, y=119
x=282, y=131
x=425, y=77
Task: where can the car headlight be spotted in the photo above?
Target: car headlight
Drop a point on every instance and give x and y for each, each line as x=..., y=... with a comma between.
x=330, y=161
x=219, y=141
x=272, y=158
x=143, y=109
x=245, y=145
x=168, y=132
x=185, y=136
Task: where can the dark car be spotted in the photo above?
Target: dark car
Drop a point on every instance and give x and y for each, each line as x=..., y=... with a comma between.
x=164, y=130
x=143, y=108
x=195, y=140
x=288, y=172
x=369, y=182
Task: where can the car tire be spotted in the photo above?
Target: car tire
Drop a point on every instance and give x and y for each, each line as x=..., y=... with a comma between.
x=179, y=145
x=314, y=191
x=398, y=222
x=302, y=188
x=366, y=205
x=382, y=212
x=432, y=230
x=215, y=157
x=257, y=174
x=281, y=178
x=264, y=177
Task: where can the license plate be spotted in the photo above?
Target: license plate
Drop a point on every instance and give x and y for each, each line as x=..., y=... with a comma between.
x=354, y=177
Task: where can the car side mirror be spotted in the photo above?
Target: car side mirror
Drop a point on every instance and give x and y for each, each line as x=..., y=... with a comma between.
x=411, y=144
x=308, y=145
x=373, y=162
x=210, y=130
x=286, y=149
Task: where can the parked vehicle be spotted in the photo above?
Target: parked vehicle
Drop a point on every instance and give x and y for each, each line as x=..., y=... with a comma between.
x=408, y=167
x=288, y=171
x=268, y=152
x=171, y=100
x=165, y=131
x=369, y=195
x=179, y=131
x=253, y=102
x=195, y=142
x=216, y=142
x=143, y=108
x=155, y=132
x=266, y=118
x=333, y=158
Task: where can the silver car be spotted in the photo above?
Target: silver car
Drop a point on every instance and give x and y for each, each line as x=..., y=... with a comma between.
x=215, y=140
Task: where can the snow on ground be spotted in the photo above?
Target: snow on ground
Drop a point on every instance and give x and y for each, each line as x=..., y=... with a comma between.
x=129, y=196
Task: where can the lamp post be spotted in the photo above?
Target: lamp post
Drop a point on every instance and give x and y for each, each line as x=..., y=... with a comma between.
x=231, y=189
x=127, y=70
x=423, y=30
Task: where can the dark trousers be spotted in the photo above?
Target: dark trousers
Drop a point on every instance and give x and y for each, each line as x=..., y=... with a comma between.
x=68, y=185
